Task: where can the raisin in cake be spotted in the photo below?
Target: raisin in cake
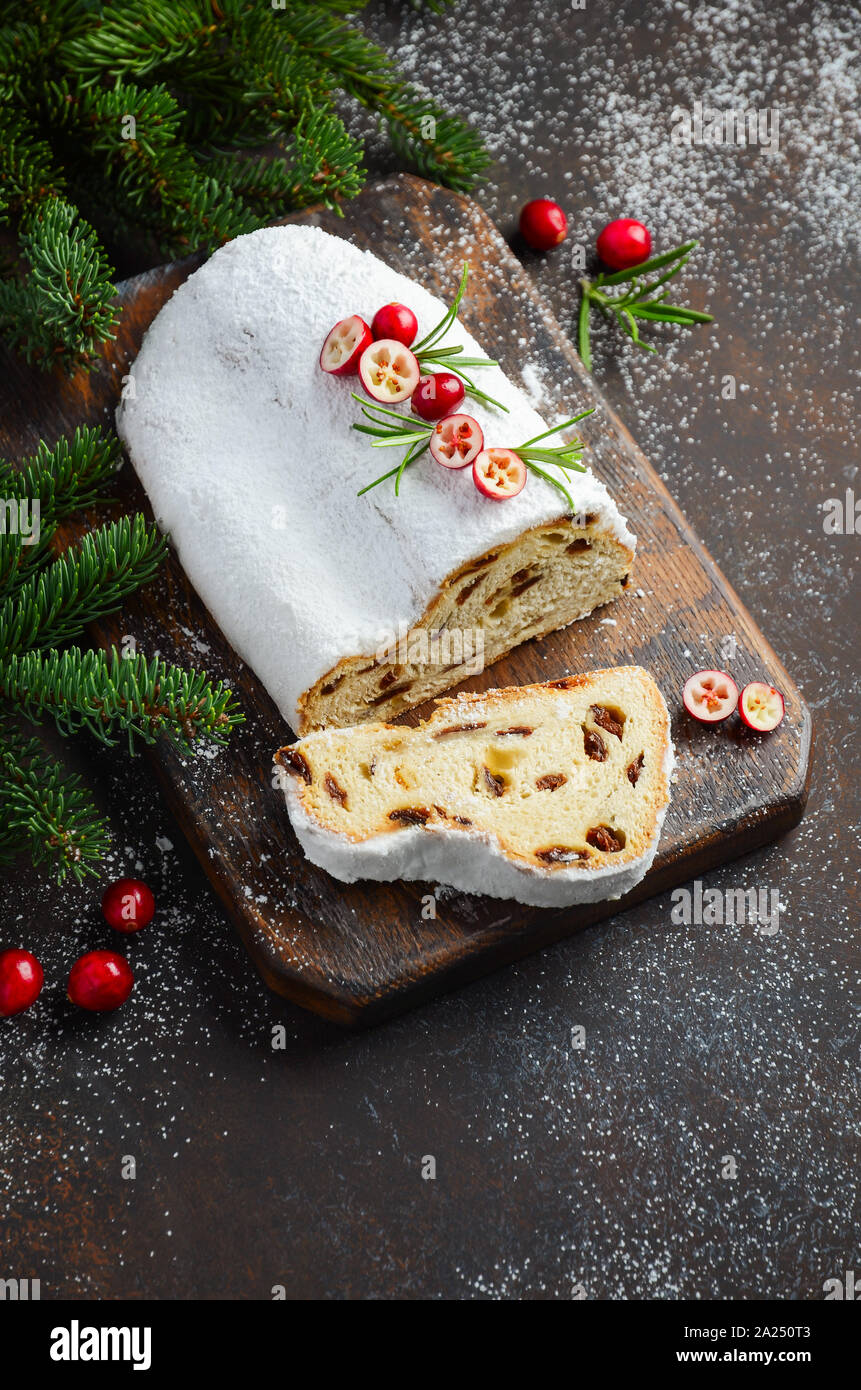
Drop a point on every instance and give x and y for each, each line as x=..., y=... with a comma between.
x=552, y=794
x=246, y=450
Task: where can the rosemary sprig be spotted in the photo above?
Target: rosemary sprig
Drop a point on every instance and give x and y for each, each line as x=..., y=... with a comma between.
x=564, y=457
x=429, y=355
x=414, y=440
x=410, y=435
x=639, y=301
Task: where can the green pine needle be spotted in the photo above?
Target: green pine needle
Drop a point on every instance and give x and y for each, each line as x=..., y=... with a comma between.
x=109, y=694
x=137, y=122
x=46, y=601
x=46, y=810
x=88, y=582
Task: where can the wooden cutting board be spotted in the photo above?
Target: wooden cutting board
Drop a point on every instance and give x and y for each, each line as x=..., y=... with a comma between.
x=358, y=953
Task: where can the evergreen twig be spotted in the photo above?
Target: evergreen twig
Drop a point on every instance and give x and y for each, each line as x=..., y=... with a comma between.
x=135, y=120
x=45, y=809
x=46, y=601
x=109, y=694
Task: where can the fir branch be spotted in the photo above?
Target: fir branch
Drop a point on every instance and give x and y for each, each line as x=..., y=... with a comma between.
x=86, y=583
x=63, y=312
x=109, y=694
x=68, y=477
x=139, y=37
x=203, y=79
x=148, y=167
x=324, y=164
x=28, y=173
x=438, y=145
x=45, y=809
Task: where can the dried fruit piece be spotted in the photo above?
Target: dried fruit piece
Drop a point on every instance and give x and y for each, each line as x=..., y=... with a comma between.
x=456, y=441
x=392, y=692
x=594, y=745
x=560, y=854
x=761, y=707
x=296, y=761
x=526, y=584
x=606, y=839
x=611, y=720
x=344, y=346
x=633, y=770
x=495, y=784
x=458, y=729
x=410, y=815
x=550, y=781
x=577, y=546
x=336, y=791
x=520, y=730
x=710, y=696
x=468, y=589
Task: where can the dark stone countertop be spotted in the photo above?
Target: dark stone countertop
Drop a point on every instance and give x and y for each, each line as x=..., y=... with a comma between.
x=558, y=1168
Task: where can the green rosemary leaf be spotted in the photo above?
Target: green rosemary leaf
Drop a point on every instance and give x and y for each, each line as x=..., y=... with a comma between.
x=409, y=457
x=583, y=346
x=669, y=313
x=448, y=318
x=555, y=429
x=391, y=473
x=656, y=263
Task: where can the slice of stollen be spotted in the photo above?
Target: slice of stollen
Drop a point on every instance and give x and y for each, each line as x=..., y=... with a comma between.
x=552, y=794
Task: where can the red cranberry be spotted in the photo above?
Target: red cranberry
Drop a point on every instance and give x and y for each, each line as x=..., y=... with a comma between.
x=100, y=980
x=21, y=979
x=543, y=224
x=128, y=905
x=395, y=321
x=624, y=243
x=437, y=394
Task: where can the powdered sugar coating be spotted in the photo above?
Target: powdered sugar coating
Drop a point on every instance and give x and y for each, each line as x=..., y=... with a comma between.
x=245, y=449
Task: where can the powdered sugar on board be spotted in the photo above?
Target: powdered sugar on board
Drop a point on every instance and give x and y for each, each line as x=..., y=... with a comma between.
x=246, y=450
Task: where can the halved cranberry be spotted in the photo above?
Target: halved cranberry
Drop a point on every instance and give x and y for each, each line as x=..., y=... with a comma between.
x=388, y=371
x=710, y=696
x=761, y=707
x=456, y=441
x=499, y=474
x=437, y=394
x=345, y=345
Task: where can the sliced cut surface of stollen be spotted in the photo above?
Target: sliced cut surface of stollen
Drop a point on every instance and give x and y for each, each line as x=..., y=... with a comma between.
x=245, y=448
x=552, y=794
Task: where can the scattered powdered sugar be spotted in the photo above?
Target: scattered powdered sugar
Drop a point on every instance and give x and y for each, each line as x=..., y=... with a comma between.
x=563, y=1169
